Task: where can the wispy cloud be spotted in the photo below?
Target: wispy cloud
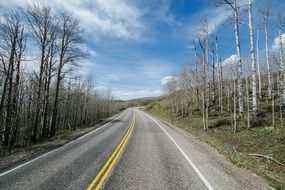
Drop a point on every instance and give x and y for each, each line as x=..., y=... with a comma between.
x=113, y=18
x=215, y=15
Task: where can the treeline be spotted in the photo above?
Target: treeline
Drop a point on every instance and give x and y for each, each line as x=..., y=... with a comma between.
x=238, y=86
x=37, y=103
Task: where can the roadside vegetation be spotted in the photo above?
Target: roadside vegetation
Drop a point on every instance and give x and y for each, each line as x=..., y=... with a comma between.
x=236, y=104
x=42, y=93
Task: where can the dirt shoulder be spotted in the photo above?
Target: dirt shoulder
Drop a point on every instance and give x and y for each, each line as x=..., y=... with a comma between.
x=21, y=155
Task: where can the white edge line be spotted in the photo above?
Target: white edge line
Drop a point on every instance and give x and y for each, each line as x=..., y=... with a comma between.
x=198, y=172
x=13, y=169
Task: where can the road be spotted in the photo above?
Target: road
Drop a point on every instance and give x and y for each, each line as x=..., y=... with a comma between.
x=133, y=151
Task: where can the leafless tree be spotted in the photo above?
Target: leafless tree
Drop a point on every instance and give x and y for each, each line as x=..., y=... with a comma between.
x=234, y=7
x=69, y=53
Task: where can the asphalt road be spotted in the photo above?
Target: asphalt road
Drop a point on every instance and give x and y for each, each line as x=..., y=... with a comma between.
x=156, y=156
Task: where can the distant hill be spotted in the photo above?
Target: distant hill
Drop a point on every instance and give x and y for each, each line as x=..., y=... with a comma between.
x=142, y=101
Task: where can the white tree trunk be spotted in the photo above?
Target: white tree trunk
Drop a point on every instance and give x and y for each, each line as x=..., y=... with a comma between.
x=258, y=64
x=235, y=114
x=239, y=60
x=247, y=103
x=282, y=87
x=252, y=53
x=219, y=65
x=269, y=78
x=207, y=76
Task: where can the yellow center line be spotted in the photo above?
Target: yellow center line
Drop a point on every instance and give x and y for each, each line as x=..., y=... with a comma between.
x=113, y=159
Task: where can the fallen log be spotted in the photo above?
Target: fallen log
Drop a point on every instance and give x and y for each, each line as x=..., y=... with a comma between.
x=268, y=157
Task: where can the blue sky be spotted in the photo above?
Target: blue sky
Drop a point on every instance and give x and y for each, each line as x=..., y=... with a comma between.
x=135, y=44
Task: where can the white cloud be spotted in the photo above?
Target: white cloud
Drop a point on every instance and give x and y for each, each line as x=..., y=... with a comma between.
x=88, y=50
x=276, y=44
x=113, y=18
x=231, y=60
x=215, y=17
x=167, y=79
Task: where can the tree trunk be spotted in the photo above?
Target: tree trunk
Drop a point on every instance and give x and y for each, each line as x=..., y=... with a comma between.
x=247, y=102
x=269, y=77
x=9, y=111
x=258, y=65
x=252, y=54
x=282, y=87
x=239, y=61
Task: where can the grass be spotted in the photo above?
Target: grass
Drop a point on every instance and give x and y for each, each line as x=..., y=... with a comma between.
x=236, y=146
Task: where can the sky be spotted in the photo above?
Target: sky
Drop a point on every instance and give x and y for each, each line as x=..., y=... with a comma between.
x=135, y=46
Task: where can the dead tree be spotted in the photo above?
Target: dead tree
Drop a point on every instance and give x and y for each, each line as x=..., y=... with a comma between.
x=253, y=63
x=232, y=4
x=258, y=64
x=265, y=14
x=204, y=44
x=12, y=46
x=69, y=53
x=40, y=21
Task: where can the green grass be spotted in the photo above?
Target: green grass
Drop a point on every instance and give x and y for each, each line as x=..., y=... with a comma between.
x=264, y=140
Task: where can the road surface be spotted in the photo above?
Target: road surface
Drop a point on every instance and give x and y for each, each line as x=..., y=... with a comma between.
x=133, y=151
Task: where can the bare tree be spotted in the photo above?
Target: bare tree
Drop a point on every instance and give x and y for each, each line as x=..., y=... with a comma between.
x=69, y=53
x=265, y=14
x=13, y=46
x=281, y=58
x=204, y=44
x=220, y=74
x=253, y=64
x=29, y=96
x=41, y=23
x=232, y=4
x=258, y=64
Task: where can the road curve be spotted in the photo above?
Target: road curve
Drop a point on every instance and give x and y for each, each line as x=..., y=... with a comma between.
x=154, y=156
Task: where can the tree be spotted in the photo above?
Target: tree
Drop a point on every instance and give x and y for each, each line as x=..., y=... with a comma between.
x=41, y=25
x=232, y=4
x=265, y=14
x=30, y=95
x=258, y=64
x=12, y=47
x=220, y=74
x=204, y=44
x=69, y=53
x=281, y=58
x=253, y=64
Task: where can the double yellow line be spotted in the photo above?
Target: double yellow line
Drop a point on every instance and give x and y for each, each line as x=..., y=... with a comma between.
x=109, y=165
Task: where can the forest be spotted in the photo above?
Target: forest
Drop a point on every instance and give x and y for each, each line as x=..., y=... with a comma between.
x=42, y=92
x=235, y=104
